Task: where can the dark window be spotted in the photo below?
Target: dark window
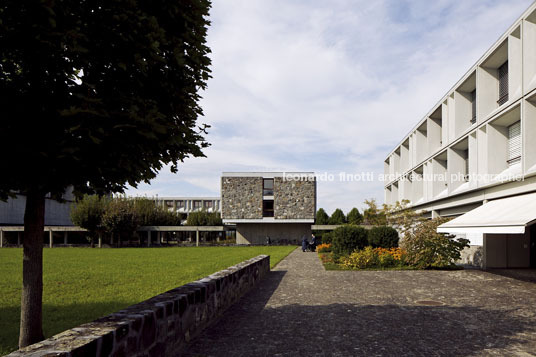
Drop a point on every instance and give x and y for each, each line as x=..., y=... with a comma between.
x=208, y=204
x=268, y=208
x=197, y=204
x=473, y=107
x=180, y=203
x=503, y=83
x=268, y=187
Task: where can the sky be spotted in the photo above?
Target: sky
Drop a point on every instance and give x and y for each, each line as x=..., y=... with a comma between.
x=328, y=86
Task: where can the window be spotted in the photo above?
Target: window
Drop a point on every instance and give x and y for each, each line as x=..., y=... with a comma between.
x=473, y=107
x=268, y=208
x=197, y=204
x=180, y=204
x=514, y=143
x=208, y=204
x=268, y=187
x=169, y=204
x=503, y=83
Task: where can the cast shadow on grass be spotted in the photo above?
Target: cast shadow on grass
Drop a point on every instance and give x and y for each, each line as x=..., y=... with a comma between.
x=55, y=319
x=290, y=328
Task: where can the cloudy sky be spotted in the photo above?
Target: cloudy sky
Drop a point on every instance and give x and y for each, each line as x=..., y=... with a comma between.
x=328, y=86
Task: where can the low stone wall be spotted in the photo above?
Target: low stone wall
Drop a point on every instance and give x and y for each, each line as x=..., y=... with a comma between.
x=160, y=326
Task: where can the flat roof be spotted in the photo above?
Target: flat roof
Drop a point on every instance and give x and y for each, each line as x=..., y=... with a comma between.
x=266, y=174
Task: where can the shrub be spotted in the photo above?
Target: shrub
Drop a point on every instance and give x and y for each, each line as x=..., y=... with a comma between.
x=204, y=218
x=383, y=237
x=326, y=238
x=323, y=248
x=426, y=248
x=346, y=239
x=360, y=259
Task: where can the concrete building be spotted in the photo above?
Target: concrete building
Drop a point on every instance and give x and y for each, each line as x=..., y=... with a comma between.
x=278, y=205
x=56, y=213
x=475, y=146
x=187, y=205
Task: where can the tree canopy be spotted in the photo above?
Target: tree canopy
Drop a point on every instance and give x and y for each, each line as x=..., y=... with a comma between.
x=322, y=217
x=96, y=95
x=337, y=217
x=355, y=217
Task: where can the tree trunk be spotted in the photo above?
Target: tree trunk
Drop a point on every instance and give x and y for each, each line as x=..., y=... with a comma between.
x=31, y=330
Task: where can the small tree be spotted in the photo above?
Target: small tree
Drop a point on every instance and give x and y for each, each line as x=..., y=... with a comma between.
x=322, y=217
x=383, y=236
x=88, y=212
x=204, y=218
x=355, y=217
x=337, y=217
x=214, y=219
x=120, y=218
x=426, y=248
x=346, y=239
x=373, y=215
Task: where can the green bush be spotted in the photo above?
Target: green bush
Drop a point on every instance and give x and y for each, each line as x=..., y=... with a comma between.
x=204, y=218
x=383, y=237
x=426, y=248
x=346, y=239
x=360, y=259
x=326, y=237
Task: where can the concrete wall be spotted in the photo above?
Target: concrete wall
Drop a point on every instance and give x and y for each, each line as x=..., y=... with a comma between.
x=56, y=214
x=507, y=250
x=160, y=326
x=241, y=197
x=255, y=233
x=294, y=199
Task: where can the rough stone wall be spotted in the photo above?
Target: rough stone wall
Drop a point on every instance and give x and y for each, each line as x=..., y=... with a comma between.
x=294, y=199
x=241, y=197
x=160, y=326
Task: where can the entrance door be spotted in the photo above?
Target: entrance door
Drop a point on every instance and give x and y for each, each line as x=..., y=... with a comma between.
x=533, y=246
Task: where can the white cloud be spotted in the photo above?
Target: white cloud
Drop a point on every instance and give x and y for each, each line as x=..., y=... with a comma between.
x=329, y=86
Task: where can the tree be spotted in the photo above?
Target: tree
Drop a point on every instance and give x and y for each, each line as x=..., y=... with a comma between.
x=322, y=217
x=337, y=217
x=373, y=215
x=354, y=217
x=426, y=248
x=96, y=95
x=204, y=218
x=88, y=212
x=120, y=218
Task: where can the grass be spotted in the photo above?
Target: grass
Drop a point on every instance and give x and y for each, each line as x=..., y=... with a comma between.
x=82, y=284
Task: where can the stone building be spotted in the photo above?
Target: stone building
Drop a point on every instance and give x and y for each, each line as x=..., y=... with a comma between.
x=278, y=205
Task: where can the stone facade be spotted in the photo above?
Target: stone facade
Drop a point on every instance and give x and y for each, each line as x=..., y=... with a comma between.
x=160, y=326
x=241, y=197
x=294, y=199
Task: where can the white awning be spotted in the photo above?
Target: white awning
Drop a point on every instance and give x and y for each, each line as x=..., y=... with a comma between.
x=506, y=215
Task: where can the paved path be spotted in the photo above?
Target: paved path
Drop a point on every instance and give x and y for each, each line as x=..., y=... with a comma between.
x=302, y=310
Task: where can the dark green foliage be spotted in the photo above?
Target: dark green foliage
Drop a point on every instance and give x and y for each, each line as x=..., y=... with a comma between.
x=346, y=239
x=337, y=217
x=149, y=214
x=324, y=237
x=88, y=212
x=383, y=237
x=426, y=248
x=99, y=94
x=373, y=215
x=355, y=217
x=322, y=217
x=120, y=217
x=204, y=218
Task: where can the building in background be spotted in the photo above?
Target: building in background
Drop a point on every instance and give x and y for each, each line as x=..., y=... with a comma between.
x=477, y=145
x=269, y=204
x=186, y=205
x=56, y=213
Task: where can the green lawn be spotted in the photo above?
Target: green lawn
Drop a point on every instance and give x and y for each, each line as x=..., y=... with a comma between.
x=82, y=284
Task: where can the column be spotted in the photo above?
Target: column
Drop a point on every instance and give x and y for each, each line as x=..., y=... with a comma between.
x=435, y=214
x=100, y=240
x=65, y=235
x=148, y=238
x=1, y=238
x=18, y=239
x=50, y=238
x=197, y=237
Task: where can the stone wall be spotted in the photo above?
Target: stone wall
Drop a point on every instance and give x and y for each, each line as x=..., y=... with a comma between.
x=160, y=326
x=241, y=197
x=294, y=199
